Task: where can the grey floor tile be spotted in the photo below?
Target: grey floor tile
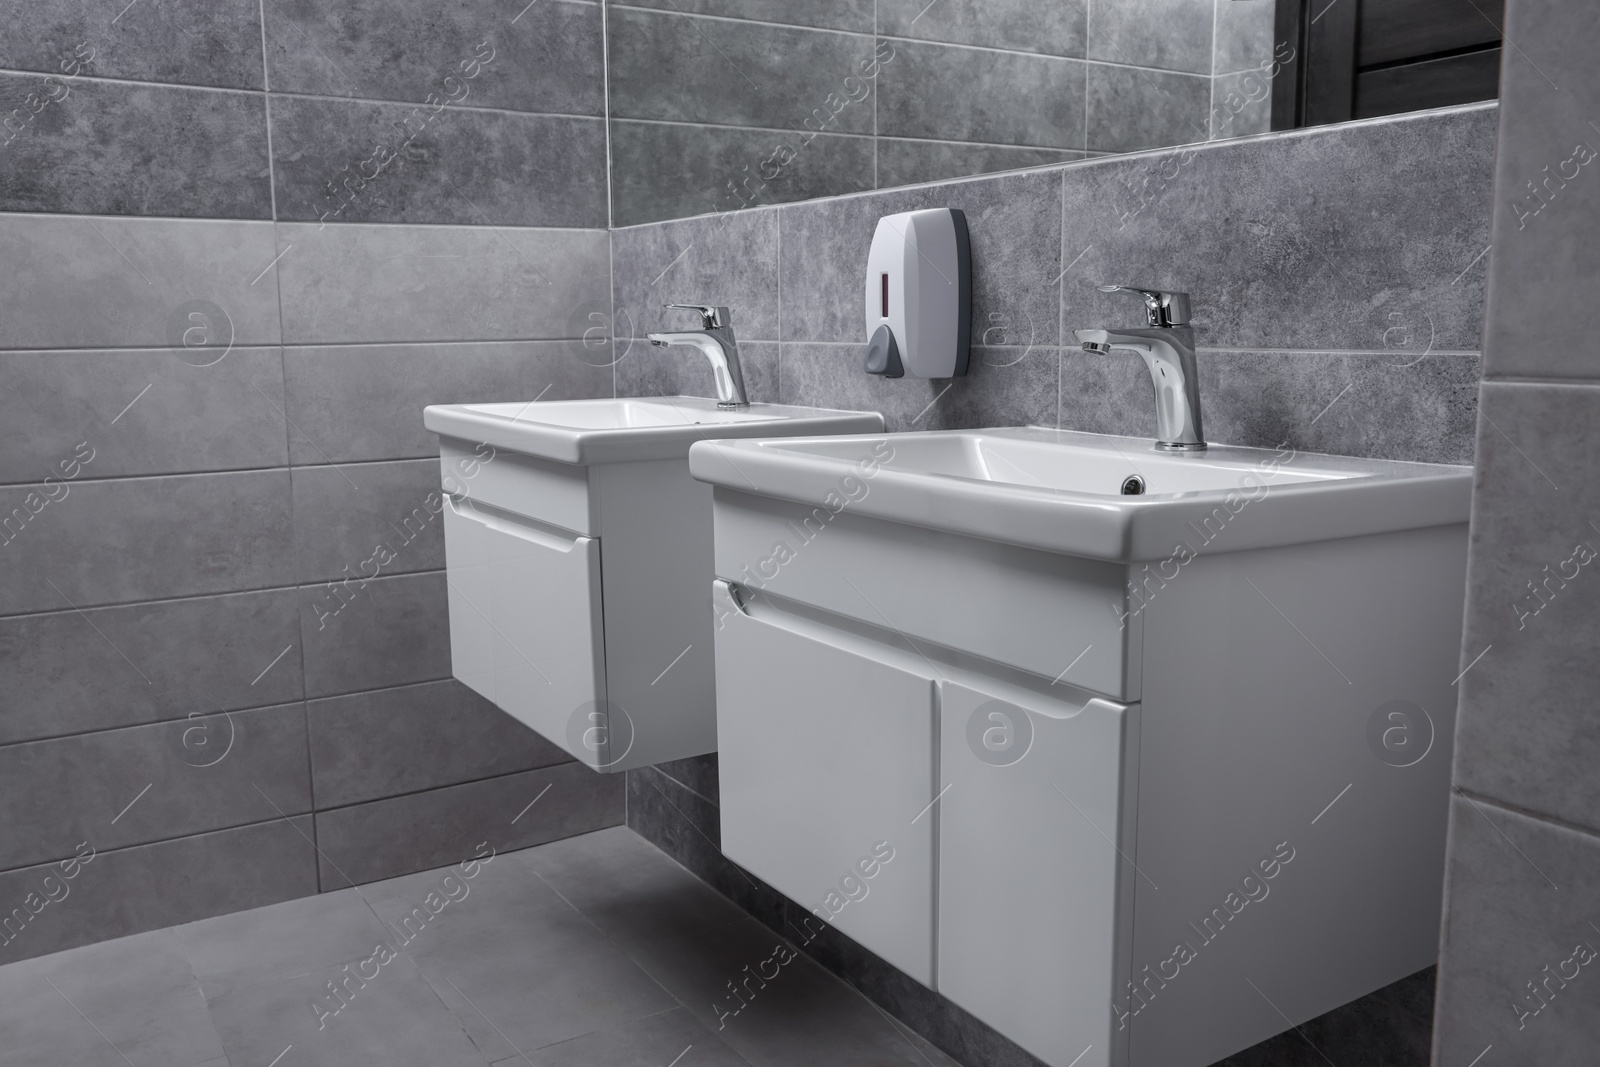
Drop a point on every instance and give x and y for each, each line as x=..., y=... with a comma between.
x=65, y=673
x=645, y=370
x=564, y=980
x=1120, y=31
x=446, y=166
x=948, y=93
x=62, y=558
x=363, y=402
x=1054, y=29
x=344, y=516
x=364, y=746
x=119, y=148
x=729, y=260
x=548, y=60
x=188, y=42
x=907, y=162
x=386, y=838
x=183, y=418
x=383, y=632
x=672, y=1037
x=107, y=282
x=132, y=1000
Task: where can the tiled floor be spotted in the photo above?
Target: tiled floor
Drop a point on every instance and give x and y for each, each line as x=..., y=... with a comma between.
x=597, y=950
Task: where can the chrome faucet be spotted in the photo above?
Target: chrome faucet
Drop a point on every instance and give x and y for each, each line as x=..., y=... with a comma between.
x=1168, y=350
x=717, y=343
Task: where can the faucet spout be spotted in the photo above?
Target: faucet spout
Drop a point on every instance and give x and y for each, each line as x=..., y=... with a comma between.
x=717, y=343
x=1168, y=352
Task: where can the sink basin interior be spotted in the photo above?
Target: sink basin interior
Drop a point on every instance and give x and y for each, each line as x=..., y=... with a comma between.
x=623, y=414
x=1099, y=467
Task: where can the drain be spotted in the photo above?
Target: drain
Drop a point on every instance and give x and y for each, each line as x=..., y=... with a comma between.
x=1132, y=485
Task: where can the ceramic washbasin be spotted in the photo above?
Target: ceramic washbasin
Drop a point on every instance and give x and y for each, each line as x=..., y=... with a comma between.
x=628, y=428
x=1063, y=491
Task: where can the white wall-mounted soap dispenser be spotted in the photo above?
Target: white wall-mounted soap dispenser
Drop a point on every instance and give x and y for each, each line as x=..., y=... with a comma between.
x=919, y=295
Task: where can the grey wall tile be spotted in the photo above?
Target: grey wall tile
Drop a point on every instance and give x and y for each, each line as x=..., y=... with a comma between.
x=386, y=632
x=696, y=773
x=176, y=536
x=1012, y=219
x=110, y=282
x=729, y=259
x=645, y=370
x=1244, y=35
x=949, y=93
x=366, y=746
x=1108, y=394
x=906, y=162
x=1518, y=904
x=343, y=515
x=682, y=68
x=365, y=402
x=1544, y=196
x=1528, y=730
x=156, y=782
x=421, y=830
x=189, y=42
x=1002, y=387
x=184, y=418
x=64, y=673
x=360, y=162
x=546, y=58
x=1369, y=263
x=146, y=887
x=439, y=283
x=725, y=169
x=116, y=148
x=1167, y=34
x=1055, y=29
x=1131, y=109
x=1241, y=104
x=828, y=14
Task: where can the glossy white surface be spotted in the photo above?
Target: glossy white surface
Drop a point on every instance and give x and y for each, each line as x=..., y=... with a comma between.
x=1059, y=490
x=626, y=429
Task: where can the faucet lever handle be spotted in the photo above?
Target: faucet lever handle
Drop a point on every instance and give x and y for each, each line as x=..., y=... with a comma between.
x=1162, y=308
x=711, y=316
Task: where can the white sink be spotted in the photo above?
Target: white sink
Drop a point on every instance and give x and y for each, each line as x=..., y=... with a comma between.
x=623, y=429
x=1062, y=491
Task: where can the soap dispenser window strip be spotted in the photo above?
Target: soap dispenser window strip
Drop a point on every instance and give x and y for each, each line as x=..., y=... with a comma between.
x=919, y=295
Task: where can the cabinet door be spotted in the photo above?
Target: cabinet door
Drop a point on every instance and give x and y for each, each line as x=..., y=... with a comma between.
x=827, y=755
x=1035, y=902
x=525, y=623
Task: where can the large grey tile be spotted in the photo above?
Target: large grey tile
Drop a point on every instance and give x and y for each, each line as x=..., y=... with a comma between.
x=117, y=148
x=1132, y=109
x=365, y=746
x=1167, y=34
x=368, y=519
x=1244, y=36
x=1013, y=221
x=373, y=633
x=108, y=282
x=683, y=68
x=139, y=1001
x=176, y=536
x=365, y=402
x=1380, y=258
x=645, y=370
x=949, y=93
x=349, y=161
x=545, y=58
x=438, y=283
x=729, y=259
x=1529, y=733
x=646, y=1043
x=148, y=412
x=907, y=162
x=388, y=1016
x=1545, y=210
x=1519, y=941
x=1054, y=29
x=386, y=838
x=1002, y=387
x=146, y=887
x=827, y=14
x=725, y=169
x=187, y=42
x=1241, y=105
x=565, y=980
x=148, y=783
x=65, y=672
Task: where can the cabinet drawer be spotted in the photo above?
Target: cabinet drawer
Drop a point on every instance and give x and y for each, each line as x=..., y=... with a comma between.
x=549, y=492
x=525, y=623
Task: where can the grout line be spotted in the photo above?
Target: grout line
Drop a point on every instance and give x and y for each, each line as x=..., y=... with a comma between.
x=605, y=90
